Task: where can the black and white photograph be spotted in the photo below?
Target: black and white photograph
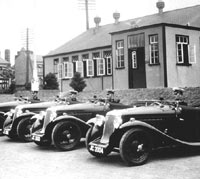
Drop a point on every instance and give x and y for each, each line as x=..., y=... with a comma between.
x=96, y=89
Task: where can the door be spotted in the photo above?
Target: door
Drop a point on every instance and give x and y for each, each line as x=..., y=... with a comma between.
x=137, y=74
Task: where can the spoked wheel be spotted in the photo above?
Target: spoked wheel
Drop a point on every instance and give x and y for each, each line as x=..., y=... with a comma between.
x=23, y=129
x=66, y=135
x=135, y=146
x=92, y=135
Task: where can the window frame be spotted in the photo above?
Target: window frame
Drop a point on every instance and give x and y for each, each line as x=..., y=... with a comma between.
x=134, y=60
x=120, y=54
x=79, y=67
x=55, y=65
x=90, y=68
x=154, y=49
x=181, y=45
x=109, y=65
x=100, y=66
x=70, y=72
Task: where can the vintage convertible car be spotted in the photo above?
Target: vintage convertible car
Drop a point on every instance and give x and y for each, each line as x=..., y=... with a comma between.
x=134, y=132
x=7, y=106
x=64, y=126
x=18, y=123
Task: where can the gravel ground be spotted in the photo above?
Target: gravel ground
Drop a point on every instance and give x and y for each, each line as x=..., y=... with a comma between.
x=29, y=161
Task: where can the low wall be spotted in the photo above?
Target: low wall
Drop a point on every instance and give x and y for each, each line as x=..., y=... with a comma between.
x=191, y=95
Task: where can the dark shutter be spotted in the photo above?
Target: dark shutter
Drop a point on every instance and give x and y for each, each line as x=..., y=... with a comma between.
x=84, y=68
x=95, y=68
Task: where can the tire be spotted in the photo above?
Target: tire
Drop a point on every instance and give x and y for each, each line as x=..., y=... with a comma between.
x=135, y=146
x=46, y=143
x=66, y=135
x=23, y=129
x=2, y=119
x=92, y=136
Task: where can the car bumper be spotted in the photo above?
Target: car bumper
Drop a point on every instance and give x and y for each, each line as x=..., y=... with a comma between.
x=38, y=136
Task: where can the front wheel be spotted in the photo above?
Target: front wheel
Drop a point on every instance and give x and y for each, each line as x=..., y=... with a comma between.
x=66, y=135
x=23, y=129
x=135, y=146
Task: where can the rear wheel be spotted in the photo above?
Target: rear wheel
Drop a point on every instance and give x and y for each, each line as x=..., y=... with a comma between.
x=66, y=135
x=23, y=129
x=135, y=146
x=92, y=135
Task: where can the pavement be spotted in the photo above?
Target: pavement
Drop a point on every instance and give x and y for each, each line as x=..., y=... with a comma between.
x=28, y=161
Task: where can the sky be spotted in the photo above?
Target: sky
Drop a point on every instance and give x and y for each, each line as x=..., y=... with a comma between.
x=52, y=23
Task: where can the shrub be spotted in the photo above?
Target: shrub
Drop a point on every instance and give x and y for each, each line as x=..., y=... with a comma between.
x=50, y=81
x=78, y=82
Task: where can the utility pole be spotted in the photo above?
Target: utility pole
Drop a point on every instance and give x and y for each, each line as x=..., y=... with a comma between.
x=87, y=5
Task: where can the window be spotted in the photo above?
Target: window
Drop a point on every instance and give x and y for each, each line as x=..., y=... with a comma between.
x=108, y=60
x=75, y=58
x=154, y=53
x=182, y=46
x=90, y=67
x=79, y=67
x=120, y=54
x=100, y=66
x=55, y=66
x=60, y=71
x=134, y=60
x=192, y=58
x=65, y=59
x=68, y=70
x=109, y=65
x=85, y=57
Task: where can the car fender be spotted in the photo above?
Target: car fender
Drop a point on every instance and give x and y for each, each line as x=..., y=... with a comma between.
x=2, y=113
x=18, y=119
x=137, y=123
x=70, y=118
x=91, y=121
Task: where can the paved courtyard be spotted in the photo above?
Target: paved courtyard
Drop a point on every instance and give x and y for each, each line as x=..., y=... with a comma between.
x=28, y=161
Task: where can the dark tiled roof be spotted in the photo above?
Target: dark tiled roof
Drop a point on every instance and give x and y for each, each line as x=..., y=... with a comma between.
x=100, y=37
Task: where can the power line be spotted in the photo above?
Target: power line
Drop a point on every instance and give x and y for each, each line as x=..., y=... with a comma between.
x=87, y=5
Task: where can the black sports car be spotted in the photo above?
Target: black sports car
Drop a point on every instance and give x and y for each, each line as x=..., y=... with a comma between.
x=134, y=132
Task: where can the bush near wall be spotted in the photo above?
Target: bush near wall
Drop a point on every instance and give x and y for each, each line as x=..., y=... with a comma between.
x=191, y=95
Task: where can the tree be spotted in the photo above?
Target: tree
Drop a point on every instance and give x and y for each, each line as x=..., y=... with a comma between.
x=50, y=81
x=78, y=82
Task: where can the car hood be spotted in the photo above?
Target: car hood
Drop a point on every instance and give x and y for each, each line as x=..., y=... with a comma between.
x=77, y=107
x=10, y=104
x=37, y=105
x=144, y=110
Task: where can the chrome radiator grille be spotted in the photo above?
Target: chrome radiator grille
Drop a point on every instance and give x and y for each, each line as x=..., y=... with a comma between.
x=46, y=120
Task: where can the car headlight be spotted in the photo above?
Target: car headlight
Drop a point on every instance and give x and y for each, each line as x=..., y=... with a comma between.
x=117, y=121
x=53, y=115
x=100, y=120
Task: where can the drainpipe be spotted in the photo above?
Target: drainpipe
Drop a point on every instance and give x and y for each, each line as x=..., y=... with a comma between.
x=164, y=56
